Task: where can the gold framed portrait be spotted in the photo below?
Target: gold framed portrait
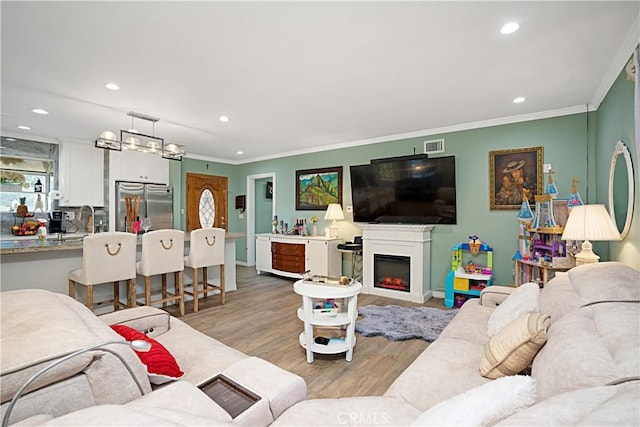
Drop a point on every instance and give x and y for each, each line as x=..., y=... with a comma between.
x=510, y=172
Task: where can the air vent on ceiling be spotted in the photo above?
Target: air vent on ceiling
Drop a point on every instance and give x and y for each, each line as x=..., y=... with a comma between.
x=434, y=146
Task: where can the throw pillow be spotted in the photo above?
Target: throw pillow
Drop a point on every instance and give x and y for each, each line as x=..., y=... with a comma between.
x=161, y=365
x=513, y=348
x=525, y=299
x=483, y=405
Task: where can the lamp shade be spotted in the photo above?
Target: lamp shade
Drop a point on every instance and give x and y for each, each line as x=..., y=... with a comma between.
x=590, y=222
x=334, y=211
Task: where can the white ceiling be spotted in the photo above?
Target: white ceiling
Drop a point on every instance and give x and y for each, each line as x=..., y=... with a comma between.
x=298, y=76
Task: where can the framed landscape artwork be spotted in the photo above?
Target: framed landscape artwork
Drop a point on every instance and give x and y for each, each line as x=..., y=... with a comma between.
x=511, y=171
x=317, y=188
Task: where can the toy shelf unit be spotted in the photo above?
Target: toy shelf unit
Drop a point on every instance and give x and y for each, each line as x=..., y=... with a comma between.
x=467, y=279
x=532, y=271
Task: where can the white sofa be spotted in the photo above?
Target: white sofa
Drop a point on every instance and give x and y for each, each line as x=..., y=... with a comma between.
x=94, y=388
x=587, y=373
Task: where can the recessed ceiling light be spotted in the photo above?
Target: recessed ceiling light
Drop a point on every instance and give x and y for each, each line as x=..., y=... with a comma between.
x=112, y=86
x=39, y=111
x=224, y=118
x=518, y=100
x=240, y=153
x=509, y=28
x=23, y=127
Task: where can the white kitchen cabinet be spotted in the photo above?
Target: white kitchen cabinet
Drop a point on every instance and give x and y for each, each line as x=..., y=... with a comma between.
x=137, y=166
x=291, y=255
x=81, y=175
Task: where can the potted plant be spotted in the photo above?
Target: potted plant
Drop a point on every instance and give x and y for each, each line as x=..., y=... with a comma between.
x=11, y=181
x=314, y=228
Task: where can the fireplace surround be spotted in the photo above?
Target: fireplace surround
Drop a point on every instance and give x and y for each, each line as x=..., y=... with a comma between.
x=395, y=242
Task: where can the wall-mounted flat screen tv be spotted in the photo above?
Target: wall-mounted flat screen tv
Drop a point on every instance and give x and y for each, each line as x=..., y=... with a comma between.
x=416, y=190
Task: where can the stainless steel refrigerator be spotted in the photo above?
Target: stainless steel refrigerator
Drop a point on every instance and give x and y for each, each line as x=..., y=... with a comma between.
x=156, y=202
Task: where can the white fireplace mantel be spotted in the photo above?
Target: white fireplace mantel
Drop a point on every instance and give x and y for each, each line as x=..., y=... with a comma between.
x=413, y=241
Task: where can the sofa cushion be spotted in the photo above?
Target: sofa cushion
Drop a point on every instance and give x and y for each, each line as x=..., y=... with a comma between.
x=150, y=321
x=161, y=365
x=524, y=299
x=589, y=284
x=281, y=388
x=449, y=366
x=470, y=323
x=483, y=405
x=513, y=348
x=181, y=398
x=591, y=346
x=51, y=325
x=349, y=411
x=596, y=406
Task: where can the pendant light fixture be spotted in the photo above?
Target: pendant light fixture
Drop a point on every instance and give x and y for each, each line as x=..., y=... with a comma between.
x=135, y=141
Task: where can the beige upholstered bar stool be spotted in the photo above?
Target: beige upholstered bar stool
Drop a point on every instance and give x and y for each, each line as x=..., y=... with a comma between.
x=206, y=250
x=163, y=253
x=106, y=257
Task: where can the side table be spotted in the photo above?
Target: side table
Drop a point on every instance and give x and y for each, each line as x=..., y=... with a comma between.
x=345, y=315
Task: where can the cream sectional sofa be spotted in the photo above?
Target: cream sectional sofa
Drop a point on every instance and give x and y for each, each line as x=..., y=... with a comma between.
x=587, y=373
x=97, y=388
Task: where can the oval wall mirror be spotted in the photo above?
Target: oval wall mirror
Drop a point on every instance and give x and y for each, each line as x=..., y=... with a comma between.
x=621, y=189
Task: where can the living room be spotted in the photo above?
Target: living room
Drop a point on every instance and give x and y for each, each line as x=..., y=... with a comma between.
x=577, y=141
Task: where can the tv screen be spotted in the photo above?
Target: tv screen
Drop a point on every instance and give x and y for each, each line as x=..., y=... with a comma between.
x=405, y=191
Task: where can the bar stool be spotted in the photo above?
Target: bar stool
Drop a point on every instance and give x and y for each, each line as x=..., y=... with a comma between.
x=206, y=250
x=163, y=253
x=106, y=257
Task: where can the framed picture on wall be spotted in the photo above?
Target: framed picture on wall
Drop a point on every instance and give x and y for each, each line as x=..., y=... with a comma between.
x=269, y=191
x=511, y=171
x=318, y=188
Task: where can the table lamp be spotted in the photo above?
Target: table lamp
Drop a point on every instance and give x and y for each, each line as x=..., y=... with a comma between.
x=334, y=212
x=589, y=222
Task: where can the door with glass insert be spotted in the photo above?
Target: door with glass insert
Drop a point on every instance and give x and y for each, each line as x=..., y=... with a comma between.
x=206, y=201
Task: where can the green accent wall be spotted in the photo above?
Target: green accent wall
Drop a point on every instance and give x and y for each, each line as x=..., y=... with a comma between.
x=577, y=145
x=616, y=123
x=564, y=142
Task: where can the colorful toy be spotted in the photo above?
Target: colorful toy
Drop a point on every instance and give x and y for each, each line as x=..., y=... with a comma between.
x=466, y=280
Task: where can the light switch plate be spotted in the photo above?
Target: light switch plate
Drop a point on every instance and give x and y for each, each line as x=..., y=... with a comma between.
x=547, y=167
x=350, y=209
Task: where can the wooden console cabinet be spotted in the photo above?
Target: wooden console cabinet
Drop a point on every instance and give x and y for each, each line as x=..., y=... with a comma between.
x=290, y=256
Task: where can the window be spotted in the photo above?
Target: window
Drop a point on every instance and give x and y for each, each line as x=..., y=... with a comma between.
x=16, y=185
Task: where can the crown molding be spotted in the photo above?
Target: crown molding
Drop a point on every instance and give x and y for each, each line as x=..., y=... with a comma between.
x=428, y=132
x=619, y=62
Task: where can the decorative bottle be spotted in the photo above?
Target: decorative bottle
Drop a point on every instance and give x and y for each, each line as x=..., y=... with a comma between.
x=42, y=232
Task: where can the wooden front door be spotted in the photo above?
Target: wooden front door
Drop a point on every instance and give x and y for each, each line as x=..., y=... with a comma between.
x=206, y=201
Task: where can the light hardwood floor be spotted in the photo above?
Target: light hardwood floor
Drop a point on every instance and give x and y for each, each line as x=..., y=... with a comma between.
x=259, y=319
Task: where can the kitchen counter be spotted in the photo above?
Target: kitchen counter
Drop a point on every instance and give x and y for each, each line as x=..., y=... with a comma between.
x=31, y=244
x=28, y=263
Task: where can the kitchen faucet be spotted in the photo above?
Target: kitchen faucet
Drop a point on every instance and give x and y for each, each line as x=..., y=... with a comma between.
x=93, y=217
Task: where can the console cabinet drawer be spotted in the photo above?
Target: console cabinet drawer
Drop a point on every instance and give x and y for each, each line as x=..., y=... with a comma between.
x=287, y=249
x=292, y=265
